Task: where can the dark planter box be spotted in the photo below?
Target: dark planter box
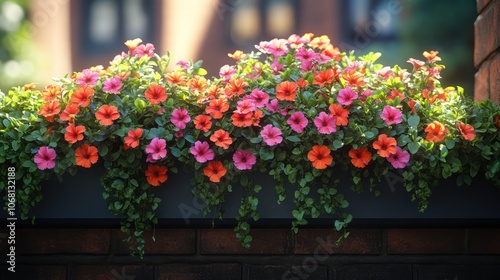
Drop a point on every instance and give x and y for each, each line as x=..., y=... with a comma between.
x=77, y=200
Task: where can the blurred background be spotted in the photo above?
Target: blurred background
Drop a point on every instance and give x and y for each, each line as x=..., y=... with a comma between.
x=41, y=39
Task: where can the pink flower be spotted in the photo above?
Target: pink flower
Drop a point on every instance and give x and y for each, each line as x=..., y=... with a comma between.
x=113, y=85
x=347, y=96
x=180, y=118
x=325, y=123
x=87, y=78
x=227, y=72
x=245, y=106
x=277, y=66
x=271, y=135
x=417, y=64
x=143, y=50
x=157, y=149
x=202, y=152
x=391, y=115
x=183, y=64
x=306, y=55
x=45, y=158
x=399, y=159
x=244, y=160
x=365, y=94
x=276, y=47
x=273, y=106
x=296, y=41
x=258, y=97
x=297, y=122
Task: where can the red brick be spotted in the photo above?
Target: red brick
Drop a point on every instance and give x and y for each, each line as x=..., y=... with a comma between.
x=425, y=241
x=107, y=272
x=481, y=83
x=495, y=79
x=39, y=272
x=224, y=241
x=200, y=271
x=484, y=241
x=71, y=241
x=321, y=241
x=487, y=33
x=168, y=241
x=481, y=4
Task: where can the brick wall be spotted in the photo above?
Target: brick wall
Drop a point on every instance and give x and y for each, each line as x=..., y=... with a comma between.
x=487, y=50
x=369, y=253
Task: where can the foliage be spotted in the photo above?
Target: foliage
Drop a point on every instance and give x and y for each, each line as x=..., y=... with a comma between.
x=298, y=110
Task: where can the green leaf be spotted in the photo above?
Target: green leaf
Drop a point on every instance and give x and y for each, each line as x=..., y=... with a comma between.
x=298, y=215
x=293, y=138
x=413, y=121
x=255, y=140
x=369, y=134
x=190, y=138
x=413, y=147
x=337, y=144
x=175, y=152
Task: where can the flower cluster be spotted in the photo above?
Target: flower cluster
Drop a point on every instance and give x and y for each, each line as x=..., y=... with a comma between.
x=297, y=109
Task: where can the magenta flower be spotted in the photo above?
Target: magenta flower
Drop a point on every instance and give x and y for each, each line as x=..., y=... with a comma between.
x=306, y=55
x=277, y=66
x=273, y=106
x=227, y=72
x=87, y=78
x=143, y=50
x=347, y=96
x=45, y=158
x=157, y=149
x=271, y=135
x=258, y=97
x=244, y=107
x=183, y=64
x=325, y=123
x=399, y=159
x=113, y=85
x=180, y=118
x=296, y=41
x=297, y=122
x=278, y=47
x=244, y=160
x=202, y=152
x=391, y=115
x=365, y=94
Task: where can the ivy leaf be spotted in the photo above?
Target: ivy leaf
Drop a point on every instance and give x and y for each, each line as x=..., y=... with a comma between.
x=298, y=215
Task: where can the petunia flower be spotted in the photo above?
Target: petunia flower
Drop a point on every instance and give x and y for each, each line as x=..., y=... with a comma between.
x=391, y=115
x=258, y=97
x=320, y=156
x=87, y=78
x=385, y=146
x=341, y=115
x=216, y=108
x=74, y=133
x=82, y=96
x=107, y=114
x=466, y=130
x=271, y=135
x=235, y=87
x=86, y=155
x=399, y=159
x=226, y=72
x=298, y=122
x=45, y=158
x=242, y=120
x=156, y=175
x=244, y=160
x=325, y=123
x=69, y=112
x=157, y=149
x=286, y=91
x=155, y=94
x=202, y=122
x=347, y=96
x=201, y=151
x=113, y=85
x=436, y=132
x=132, y=139
x=49, y=110
x=180, y=118
x=324, y=78
x=144, y=50
x=214, y=171
x=360, y=157
x=221, y=139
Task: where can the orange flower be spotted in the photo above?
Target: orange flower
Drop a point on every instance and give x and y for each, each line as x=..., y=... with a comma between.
x=436, y=132
x=202, y=122
x=69, y=112
x=320, y=42
x=324, y=78
x=341, y=114
x=235, y=87
x=156, y=175
x=29, y=86
x=242, y=120
x=332, y=52
x=385, y=146
x=237, y=55
x=431, y=99
x=214, y=171
x=320, y=156
x=496, y=119
x=74, y=133
x=133, y=137
x=467, y=131
x=132, y=44
x=197, y=84
x=107, y=114
x=354, y=78
x=360, y=157
x=221, y=138
x=411, y=104
x=155, y=94
x=257, y=115
x=86, y=155
x=176, y=77
x=49, y=110
x=286, y=91
x=51, y=92
x=302, y=83
x=216, y=107
x=82, y=95
x=432, y=56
